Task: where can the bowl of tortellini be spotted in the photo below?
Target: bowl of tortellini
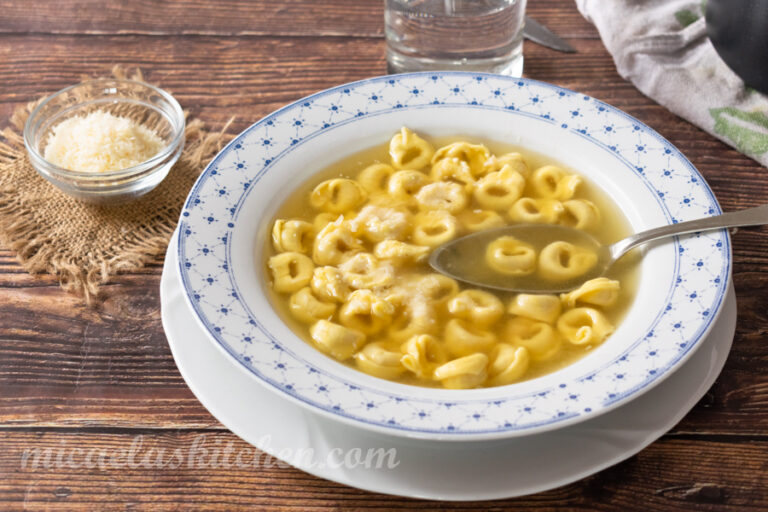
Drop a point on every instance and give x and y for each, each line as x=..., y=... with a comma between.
x=303, y=252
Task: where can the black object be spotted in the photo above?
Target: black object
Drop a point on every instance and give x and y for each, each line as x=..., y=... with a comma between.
x=738, y=30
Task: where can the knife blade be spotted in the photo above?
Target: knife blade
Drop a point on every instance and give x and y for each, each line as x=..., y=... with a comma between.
x=540, y=34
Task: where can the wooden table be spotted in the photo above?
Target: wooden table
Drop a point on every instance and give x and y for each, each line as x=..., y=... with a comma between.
x=82, y=380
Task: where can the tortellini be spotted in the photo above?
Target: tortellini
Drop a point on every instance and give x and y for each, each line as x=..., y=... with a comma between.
x=434, y=227
x=416, y=317
x=508, y=364
x=292, y=235
x=375, y=178
x=582, y=326
x=453, y=170
x=463, y=373
x=436, y=288
x=350, y=265
x=463, y=338
x=446, y=196
x=321, y=220
x=328, y=284
x=541, y=339
x=514, y=161
x=364, y=270
x=309, y=309
x=600, y=291
x=334, y=243
x=560, y=261
x=544, y=308
x=380, y=360
x=337, y=195
x=401, y=252
x=376, y=223
x=366, y=312
x=536, y=211
x=552, y=182
x=421, y=354
x=474, y=155
x=580, y=214
x=499, y=190
x=339, y=341
x=557, y=261
x=404, y=185
x=480, y=220
x=479, y=307
x=409, y=151
x=508, y=255
x=291, y=271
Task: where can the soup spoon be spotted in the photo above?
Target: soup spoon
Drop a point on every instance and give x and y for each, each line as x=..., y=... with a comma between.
x=464, y=258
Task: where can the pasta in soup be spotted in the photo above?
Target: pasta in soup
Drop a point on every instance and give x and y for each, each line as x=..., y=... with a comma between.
x=348, y=264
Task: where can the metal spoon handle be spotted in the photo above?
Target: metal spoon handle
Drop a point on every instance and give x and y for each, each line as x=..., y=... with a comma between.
x=749, y=217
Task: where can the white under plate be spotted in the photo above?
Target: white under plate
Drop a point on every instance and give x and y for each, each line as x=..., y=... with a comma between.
x=432, y=469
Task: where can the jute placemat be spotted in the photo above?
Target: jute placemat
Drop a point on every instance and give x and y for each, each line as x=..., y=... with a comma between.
x=83, y=244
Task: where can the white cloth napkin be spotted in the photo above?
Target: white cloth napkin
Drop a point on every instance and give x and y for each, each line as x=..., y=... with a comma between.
x=661, y=46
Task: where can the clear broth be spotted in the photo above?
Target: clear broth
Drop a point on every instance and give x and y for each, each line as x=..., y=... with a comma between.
x=614, y=226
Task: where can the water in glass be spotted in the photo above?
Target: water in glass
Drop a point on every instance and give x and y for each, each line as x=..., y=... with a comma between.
x=477, y=35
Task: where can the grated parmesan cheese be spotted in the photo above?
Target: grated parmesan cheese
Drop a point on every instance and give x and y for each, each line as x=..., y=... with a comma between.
x=101, y=142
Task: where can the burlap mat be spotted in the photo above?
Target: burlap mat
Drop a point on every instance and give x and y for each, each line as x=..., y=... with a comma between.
x=86, y=244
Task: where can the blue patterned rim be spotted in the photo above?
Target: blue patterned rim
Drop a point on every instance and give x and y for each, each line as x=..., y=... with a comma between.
x=213, y=291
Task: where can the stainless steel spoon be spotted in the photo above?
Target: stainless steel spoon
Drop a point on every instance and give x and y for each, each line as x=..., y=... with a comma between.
x=464, y=258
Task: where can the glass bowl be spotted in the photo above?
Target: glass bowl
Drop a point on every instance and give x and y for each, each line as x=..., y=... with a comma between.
x=141, y=102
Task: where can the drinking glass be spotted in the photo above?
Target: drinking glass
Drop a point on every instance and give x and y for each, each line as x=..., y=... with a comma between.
x=477, y=35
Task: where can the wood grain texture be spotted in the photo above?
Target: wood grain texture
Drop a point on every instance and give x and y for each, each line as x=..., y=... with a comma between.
x=72, y=366
x=95, y=378
x=217, y=77
x=216, y=470
x=358, y=18
x=103, y=358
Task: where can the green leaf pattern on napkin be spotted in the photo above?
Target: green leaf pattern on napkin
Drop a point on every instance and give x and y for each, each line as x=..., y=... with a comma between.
x=748, y=131
x=687, y=16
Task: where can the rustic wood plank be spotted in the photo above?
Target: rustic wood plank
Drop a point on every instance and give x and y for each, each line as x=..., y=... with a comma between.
x=236, y=17
x=76, y=376
x=217, y=77
x=250, y=77
x=226, y=17
x=62, y=364
x=110, y=471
